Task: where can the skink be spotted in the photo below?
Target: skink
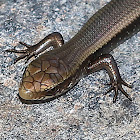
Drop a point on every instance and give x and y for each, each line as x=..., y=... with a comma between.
x=54, y=72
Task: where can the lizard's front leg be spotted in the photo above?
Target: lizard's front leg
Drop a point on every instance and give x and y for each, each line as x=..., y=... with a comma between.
x=54, y=39
x=108, y=63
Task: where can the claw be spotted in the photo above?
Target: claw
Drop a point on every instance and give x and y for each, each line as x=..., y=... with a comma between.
x=25, y=52
x=24, y=44
x=116, y=94
x=16, y=51
x=116, y=86
x=19, y=51
x=20, y=57
x=122, y=90
x=28, y=57
x=124, y=83
x=109, y=90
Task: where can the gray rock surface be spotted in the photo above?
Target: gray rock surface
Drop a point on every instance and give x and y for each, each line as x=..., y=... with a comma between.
x=84, y=113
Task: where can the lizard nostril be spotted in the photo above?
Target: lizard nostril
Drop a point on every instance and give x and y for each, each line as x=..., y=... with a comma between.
x=25, y=94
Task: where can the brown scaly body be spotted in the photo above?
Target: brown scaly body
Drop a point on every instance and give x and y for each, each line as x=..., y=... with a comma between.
x=56, y=71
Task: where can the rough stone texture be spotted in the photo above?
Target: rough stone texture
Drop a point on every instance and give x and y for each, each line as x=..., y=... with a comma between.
x=84, y=113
